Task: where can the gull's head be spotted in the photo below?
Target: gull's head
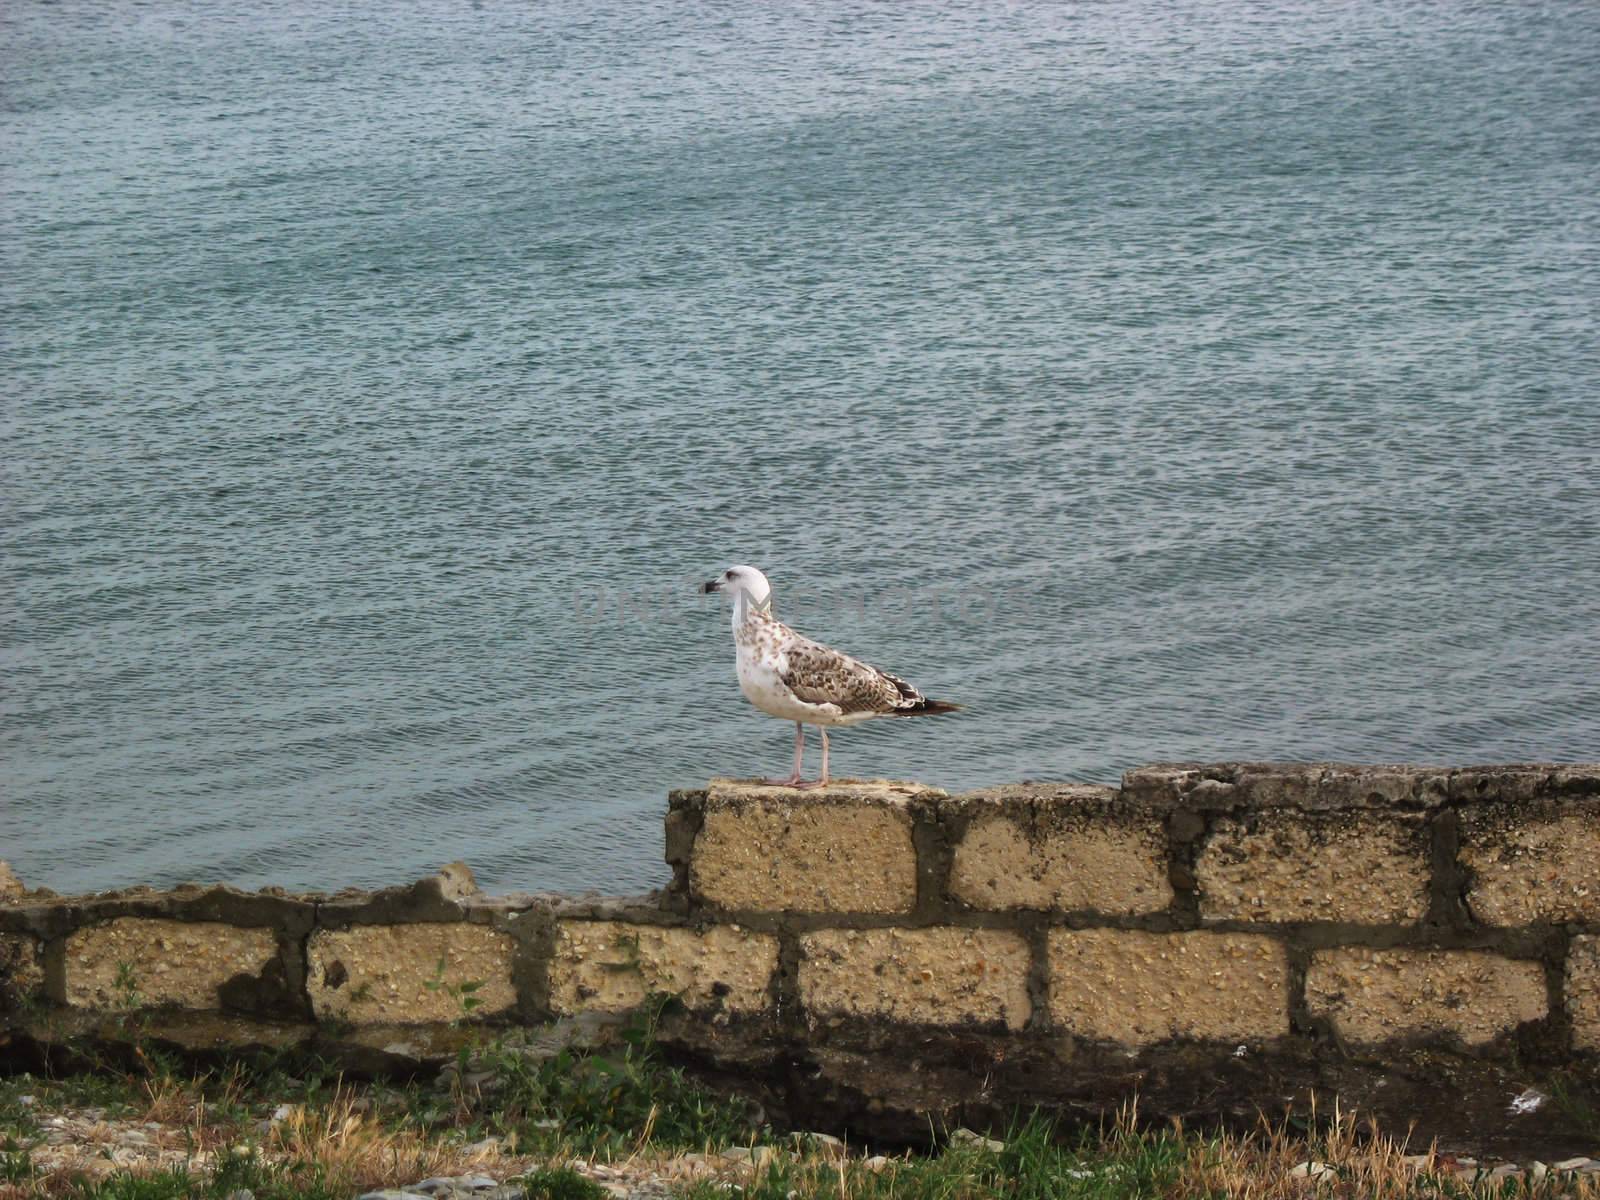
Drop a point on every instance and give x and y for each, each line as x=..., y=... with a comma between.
x=735, y=580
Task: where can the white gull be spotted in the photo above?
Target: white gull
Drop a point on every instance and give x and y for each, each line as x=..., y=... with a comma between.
x=795, y=679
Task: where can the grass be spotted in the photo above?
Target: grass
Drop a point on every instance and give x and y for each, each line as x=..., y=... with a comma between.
x=1125, y=1162
x=292, y=1127
x=264, y=1181
x=607, y=1105
x=561, y=1183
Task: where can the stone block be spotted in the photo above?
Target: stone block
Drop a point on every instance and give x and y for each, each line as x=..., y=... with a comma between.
x=1583, y=992
x=1310, y=787
x=410, y=974
x=842, y=849
x=1532, y=862
x=940, y=976
x=1376, y=996
x=614, y=966
x=1136, y=988
x=1360, y=866
x=146, y=962
x=21, y=970
x=1061, y=848
x=445, y=897
x=1520, y=783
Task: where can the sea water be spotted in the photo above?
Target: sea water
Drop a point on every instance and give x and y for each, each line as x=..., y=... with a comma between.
x=1159, y=381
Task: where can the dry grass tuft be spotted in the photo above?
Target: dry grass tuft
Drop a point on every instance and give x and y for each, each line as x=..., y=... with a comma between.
x=353, y=1150
x=1275, y=1162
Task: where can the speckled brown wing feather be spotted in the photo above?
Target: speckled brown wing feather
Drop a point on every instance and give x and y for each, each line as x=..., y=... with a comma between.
x=818, y=674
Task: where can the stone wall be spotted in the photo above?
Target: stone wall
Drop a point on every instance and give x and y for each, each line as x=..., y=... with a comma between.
x=885, y=951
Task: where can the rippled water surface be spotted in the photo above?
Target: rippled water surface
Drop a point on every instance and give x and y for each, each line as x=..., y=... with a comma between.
x=378, y=379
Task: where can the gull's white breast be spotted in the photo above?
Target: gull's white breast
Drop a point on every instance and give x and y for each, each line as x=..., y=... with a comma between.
x=761, y=669
x=761, y=664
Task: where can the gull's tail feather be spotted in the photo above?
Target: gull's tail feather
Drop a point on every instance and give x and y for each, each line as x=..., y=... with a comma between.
x=913, y=703
x=927, y=708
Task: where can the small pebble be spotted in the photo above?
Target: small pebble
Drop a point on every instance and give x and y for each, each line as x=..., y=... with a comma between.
x=965, y=1137
x=1312, y=1170
x=757, y=1156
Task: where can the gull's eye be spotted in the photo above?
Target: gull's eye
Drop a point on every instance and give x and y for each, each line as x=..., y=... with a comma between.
x=727, y=574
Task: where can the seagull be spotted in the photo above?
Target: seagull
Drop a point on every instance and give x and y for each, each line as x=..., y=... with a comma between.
x=795, y=679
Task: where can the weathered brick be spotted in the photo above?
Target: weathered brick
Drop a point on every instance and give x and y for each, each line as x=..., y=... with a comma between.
x=940, y=976
x=1532, y=862
x=136, y=962
x=1583, y=992
x=409, y=974
x=613, y=966
x=1062, y=848
x=1136, y=988
x=1374, y=996
x=21, y=970
x=842, y=849
x=1361, y=866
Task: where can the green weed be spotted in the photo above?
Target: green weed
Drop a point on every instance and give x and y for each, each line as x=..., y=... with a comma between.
x=606, y=1104
x=561, y=1183
x=265, y=1181
x=462, y=993
x=16, y=1162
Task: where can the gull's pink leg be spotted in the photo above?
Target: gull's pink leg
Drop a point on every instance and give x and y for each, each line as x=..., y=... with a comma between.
x=799, y=751
x=823, y=781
